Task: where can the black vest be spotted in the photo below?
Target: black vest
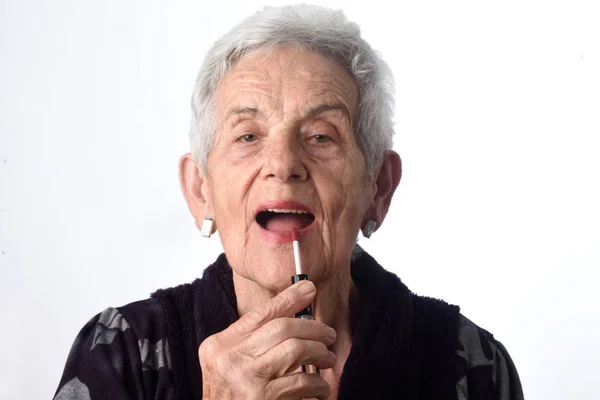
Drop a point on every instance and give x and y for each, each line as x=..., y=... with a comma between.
x=403, y=345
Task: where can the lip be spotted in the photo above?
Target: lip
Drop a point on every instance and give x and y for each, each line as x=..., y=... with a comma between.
x=283, y=237
x=283, y=204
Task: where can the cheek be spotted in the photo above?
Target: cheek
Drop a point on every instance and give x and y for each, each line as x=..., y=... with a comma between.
x=229, y=198
x=345, y=195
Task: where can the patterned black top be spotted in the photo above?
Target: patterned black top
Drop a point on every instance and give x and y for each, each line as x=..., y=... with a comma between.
x=123, y=353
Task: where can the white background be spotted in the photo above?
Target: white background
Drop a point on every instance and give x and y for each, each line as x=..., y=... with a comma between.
x=498, y=120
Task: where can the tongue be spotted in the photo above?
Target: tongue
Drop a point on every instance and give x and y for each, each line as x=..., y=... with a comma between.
x=287, y=222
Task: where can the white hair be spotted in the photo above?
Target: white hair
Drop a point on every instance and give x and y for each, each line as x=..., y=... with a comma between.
x=318, y=29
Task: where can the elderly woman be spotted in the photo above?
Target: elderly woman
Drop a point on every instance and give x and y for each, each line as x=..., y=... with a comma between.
x=291, y=137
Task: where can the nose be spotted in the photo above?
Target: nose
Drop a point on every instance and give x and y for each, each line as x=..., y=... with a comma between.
x=284, y=160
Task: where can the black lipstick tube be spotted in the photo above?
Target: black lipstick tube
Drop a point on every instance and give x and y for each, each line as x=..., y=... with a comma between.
x=306, y=313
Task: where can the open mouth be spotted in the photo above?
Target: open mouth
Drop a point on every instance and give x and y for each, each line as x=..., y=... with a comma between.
x=284, y=220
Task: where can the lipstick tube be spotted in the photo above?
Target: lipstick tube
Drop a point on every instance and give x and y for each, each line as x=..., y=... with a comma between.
x=306, y=313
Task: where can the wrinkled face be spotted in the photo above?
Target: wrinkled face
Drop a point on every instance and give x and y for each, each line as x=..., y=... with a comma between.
x=286, y=157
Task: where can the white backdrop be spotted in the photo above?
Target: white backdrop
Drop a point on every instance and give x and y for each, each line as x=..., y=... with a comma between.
x=498, y=124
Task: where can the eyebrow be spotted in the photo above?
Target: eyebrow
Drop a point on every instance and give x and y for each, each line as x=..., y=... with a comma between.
x=330, y=107
x=313, y=112
x=253, y=111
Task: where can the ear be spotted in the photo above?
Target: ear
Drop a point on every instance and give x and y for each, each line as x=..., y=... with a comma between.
x=386, y=183
x=194, y=186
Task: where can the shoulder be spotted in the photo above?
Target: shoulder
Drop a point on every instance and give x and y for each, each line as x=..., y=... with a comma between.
x=144, y=317
x=141, y=322
x=476, y=345
x=138, y=320
x=121, y=350
x=484, y=367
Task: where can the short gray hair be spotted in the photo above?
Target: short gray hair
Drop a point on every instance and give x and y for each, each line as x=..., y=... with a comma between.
x=318, y=29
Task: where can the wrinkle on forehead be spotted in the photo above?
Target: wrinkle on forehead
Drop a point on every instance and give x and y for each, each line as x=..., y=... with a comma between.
x=284, y=82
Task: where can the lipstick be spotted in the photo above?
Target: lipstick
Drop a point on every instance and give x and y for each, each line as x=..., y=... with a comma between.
x=307, y=313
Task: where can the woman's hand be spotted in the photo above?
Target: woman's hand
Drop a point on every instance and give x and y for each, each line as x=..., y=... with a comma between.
x=254, y=358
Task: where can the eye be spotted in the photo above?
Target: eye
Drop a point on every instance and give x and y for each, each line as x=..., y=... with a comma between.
x=319, y=138
x=247, y=138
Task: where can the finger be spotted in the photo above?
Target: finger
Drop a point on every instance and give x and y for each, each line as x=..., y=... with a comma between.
x=291, y=354
x=286, y=303
x=297, y=386
x=278, y=330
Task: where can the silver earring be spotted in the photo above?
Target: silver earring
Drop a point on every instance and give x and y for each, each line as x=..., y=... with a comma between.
x=208, y=227
x=369, y=228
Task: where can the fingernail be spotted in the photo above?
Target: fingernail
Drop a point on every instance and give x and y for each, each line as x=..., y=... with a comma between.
x=306, y=287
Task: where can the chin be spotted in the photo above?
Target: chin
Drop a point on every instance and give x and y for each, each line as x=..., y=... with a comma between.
x=272, y=269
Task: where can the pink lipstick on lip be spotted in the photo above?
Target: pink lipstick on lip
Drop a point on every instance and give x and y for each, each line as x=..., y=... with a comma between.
x=307, y=313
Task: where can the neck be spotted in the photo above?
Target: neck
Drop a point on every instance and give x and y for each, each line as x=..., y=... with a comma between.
x=330, y=306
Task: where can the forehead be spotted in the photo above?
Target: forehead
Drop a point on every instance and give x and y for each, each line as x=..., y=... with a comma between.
x=287, y=80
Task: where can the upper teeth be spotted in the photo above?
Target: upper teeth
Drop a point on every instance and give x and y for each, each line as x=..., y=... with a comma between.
x=285, y=210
